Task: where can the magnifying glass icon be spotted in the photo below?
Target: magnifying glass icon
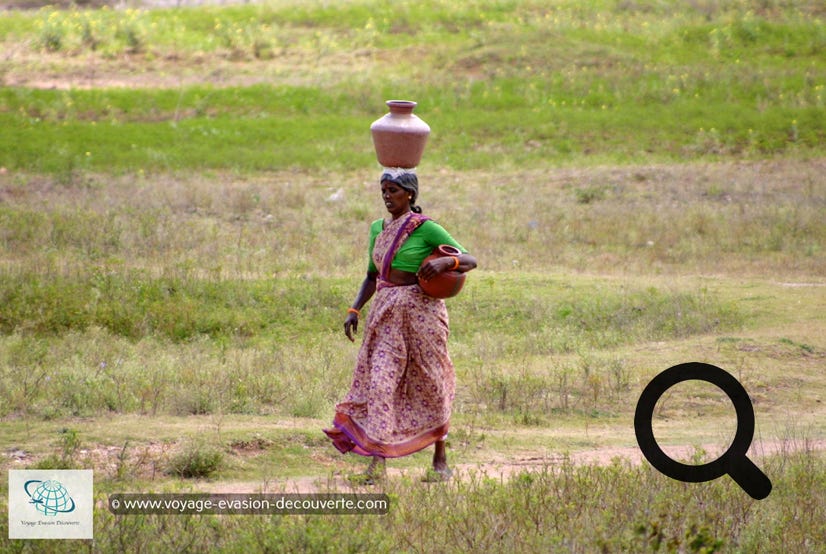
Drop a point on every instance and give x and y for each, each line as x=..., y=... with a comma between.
x=733, y=461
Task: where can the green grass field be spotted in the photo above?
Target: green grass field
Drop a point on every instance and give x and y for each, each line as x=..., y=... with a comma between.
x=185, y=196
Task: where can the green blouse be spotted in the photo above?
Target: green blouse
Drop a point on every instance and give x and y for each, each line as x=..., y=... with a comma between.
x=416, y=248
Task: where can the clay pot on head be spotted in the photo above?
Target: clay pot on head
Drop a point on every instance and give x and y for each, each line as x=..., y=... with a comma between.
x=448, y=283
x=399, y=137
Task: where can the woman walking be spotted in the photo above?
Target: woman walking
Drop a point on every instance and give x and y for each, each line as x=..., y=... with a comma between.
x=403, y=384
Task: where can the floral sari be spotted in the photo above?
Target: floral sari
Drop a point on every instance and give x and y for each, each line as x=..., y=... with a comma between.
x=403, y=383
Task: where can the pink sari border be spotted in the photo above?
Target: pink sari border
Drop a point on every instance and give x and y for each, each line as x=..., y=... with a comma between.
x=348, y=436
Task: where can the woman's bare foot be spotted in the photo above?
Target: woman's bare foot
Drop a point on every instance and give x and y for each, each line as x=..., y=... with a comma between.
x=440, y=471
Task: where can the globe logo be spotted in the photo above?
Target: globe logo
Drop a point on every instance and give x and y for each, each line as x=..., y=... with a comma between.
x=49, y=497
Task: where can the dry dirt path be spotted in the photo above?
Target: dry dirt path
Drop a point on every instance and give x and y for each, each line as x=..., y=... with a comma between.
x=497, y=468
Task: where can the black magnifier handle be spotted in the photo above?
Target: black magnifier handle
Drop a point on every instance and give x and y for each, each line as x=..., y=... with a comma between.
x=750, y=478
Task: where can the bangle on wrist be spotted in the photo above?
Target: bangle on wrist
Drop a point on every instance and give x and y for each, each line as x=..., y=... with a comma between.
x=455, y=263
x=354, y=311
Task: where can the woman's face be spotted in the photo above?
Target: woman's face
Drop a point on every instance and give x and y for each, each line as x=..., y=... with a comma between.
x=395, y=198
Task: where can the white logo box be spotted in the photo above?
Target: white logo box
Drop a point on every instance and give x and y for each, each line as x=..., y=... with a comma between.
x=51, y=504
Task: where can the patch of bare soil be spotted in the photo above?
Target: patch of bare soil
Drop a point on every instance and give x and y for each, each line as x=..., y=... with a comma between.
x=27, y=68
x=145, y=461
x=24, y=66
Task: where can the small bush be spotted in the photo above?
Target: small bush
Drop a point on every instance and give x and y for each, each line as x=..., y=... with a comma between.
x=196, y=460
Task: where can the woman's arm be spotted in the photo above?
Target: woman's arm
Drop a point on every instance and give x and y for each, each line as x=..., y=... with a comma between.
x=368, y=288
x=446, y=263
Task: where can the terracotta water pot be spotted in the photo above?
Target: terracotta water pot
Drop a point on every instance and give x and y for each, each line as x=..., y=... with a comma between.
x=448, y=283
x=399, y=137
